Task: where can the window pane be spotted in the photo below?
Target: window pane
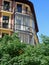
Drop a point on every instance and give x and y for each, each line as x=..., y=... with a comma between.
x=19, y=8
x=26, y=21
x=33, y=25
x=6, y=5
x=5, y=25
x=6, y=19
x=26, y=10
x=18, y=25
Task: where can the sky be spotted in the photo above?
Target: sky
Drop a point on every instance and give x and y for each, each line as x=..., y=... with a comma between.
x=42, y=15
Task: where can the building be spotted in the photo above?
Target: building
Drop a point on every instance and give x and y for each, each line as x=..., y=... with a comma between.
x=6, y=17
x=18, y=16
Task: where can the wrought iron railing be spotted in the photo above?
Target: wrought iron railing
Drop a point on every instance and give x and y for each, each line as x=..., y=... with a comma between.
x=24, y=12
x=22, y=27
x=18, y=27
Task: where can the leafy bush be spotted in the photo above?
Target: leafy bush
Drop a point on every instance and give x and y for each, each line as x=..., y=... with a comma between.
x=13, y=52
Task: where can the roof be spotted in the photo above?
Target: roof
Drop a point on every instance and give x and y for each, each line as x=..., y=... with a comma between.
x=32, y=9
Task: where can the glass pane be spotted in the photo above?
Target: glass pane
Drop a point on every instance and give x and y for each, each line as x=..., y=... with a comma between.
x=33, y=25
x=26, y=10
x=18, y=25
x=26, y=21
x=5, y=25
x=6, y=19
x=6, y=5
x=19, y=8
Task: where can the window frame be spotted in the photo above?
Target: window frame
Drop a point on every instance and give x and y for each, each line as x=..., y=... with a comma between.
x=19, y=9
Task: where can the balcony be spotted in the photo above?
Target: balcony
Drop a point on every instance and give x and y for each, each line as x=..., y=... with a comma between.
x=7, y=10
x=24, y=12
x=24, y=28
x=6, y=28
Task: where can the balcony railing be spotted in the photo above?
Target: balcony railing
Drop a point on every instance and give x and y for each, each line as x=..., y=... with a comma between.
x=9, y=26
x=2, y=7
x=24, y=12
x=21, y=27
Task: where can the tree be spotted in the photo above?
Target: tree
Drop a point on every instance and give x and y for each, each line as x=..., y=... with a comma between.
x=45, y=39
x=13, y=52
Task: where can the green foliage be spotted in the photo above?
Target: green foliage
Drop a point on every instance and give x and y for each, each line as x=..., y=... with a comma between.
x=45, y=39
x=13, y=52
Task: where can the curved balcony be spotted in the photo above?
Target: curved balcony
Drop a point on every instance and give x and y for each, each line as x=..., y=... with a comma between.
x=24, y=12
x=24, y=28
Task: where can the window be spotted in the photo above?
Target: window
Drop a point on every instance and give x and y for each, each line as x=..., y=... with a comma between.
x=30, y=39
x=3, y=34
x=5, y=25
x=24, y=37
x=33, y=24
x=34, y=42
x=6, y=5
x=5, y=21
x=19, y=8
x=22, y=22
x=26, y=10
x=18, y=24
x=26, y=21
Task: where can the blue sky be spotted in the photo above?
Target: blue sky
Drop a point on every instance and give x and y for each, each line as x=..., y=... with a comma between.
x=42, y=14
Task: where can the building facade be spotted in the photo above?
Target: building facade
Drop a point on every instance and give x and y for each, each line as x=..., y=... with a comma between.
x=6, y=17
x=18, y=16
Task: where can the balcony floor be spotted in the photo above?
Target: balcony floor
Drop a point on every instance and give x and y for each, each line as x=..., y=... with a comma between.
x=4, y=30
x=7, y=13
